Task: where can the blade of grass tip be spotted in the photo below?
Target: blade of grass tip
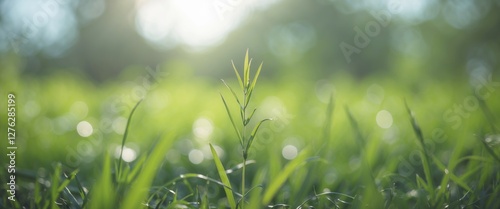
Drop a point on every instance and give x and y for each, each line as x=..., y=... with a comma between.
x=232, y=121
x=425, y=157
x=232, y=92
x=254, y=132
x=276, y=183
x=245, y=71
x=415, y=126
x=125, y=134
x=224, y=178
x=254, y=81
x=237, y=75
x=354, y=124
x=247, y=120
x=328, y=123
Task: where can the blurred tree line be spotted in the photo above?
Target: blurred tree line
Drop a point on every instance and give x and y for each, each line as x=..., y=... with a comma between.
x=428, y=38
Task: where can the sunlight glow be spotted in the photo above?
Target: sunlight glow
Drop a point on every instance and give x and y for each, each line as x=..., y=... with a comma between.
x=289, y=152
x=128, y=155
x=195, y=156
x=203, y=128
x=84, y=129
x=384, y=119
x=195, y=23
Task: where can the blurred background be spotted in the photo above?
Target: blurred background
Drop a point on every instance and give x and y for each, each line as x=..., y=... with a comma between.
x=78, y=67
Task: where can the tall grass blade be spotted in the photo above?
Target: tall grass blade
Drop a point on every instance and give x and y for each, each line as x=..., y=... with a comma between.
x=140, y=187
x=487, y=112
x=425, y=154
x=252, y=136
x=125, y=134
x=276, y=183
x=252, y=86
x=357, y=130
x=237, y=75
x=224, y=178
x=231, y=89
x=103, y=192
x=54, y=192
x=232, y=121
x=246, y=70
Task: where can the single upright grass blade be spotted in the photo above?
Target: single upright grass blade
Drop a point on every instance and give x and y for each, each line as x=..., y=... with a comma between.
x=425, y=154
x=237, y=75
x=246, y=70
x=125, y=138
x=256, y=77
x=223, y=177
x=232, y=121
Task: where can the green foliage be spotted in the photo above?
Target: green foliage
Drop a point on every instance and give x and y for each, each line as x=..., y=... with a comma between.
x=223, y=177
x=356, y=163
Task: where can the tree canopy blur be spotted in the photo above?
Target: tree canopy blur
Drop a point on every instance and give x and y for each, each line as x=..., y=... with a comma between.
x=101, y=38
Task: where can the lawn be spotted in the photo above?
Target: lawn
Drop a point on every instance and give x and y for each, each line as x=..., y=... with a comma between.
x=164, y=140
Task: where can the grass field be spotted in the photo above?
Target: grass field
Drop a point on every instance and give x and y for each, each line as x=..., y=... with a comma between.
x=339, y=142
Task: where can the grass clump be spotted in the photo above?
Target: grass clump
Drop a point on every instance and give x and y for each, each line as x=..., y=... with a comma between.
x=245, y=138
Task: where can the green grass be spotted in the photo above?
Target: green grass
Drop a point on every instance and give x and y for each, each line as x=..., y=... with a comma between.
x=343, y=160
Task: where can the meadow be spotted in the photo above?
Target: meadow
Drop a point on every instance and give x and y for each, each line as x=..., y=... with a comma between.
x=164, y=140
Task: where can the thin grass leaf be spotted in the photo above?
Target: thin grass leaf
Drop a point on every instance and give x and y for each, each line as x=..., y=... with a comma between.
x=248, y=97
x=139, y=188
x=256, y=77
x=125, y=134
x=81, y=189
x=54, y=194
x=425, y=157
x=103, y=191
x=415, y=126
x=137, y=168
x=69, y=195
x=231, y=89
x=325, y=194
x=276, y=183
x=487, y=112
x=357, y=130
x=237, y=75
x=252, y=136
x=224, y=178
x=66, y=181
x=247, y=120
x=421, y=183
x=449, y=173
x=246, y=78
x=232, y=121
